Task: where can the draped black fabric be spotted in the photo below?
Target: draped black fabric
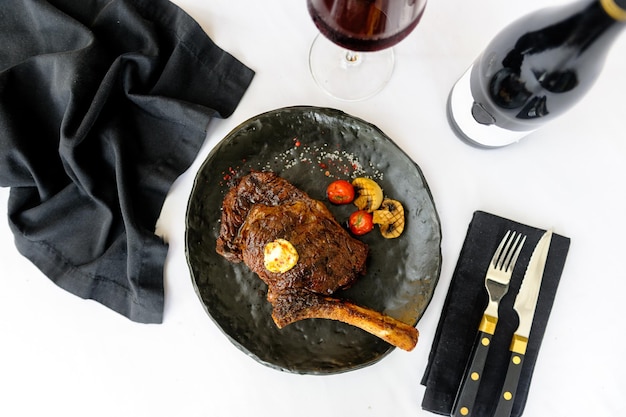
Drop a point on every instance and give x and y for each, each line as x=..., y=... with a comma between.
x=463, y=309
x=103, y=104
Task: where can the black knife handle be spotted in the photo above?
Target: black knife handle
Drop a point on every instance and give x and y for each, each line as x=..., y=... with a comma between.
x=466, y=396
x=509, y=389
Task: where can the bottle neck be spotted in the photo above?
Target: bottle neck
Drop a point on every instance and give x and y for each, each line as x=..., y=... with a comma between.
x=598, y=20
x=616, y=9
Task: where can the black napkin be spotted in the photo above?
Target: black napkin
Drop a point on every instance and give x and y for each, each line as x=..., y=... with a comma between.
x=103, y=104
x=463, y=309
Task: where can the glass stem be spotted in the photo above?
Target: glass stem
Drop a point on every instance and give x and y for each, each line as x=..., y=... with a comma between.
x=352, y=57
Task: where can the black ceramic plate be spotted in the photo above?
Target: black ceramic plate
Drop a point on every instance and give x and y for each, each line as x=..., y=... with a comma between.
x=311, y=147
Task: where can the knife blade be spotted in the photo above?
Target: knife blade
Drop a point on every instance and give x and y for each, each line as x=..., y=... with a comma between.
x=525, y=305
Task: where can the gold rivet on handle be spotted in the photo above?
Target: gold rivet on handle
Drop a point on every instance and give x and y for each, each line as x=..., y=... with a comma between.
x=464, y=411
x=516, y=360
x=475, y=376
x=507, y=396
x=485, y=341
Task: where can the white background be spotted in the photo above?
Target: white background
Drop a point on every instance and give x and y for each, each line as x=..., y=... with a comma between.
x=63, y=356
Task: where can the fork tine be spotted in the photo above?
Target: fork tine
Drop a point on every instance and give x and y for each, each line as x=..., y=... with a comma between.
x=500, y=250
x=507, y=252
x=513, y=260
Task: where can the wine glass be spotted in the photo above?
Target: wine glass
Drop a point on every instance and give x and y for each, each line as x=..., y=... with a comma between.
x=354, y=58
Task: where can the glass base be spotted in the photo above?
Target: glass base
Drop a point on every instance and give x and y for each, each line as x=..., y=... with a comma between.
x=464, y=123
x=349, y=75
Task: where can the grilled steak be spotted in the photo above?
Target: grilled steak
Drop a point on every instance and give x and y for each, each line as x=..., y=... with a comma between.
x=329, y=258
x=255, y=188
x=264, y=207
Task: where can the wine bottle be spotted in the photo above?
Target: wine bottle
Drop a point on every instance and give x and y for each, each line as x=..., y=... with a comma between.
x=533, y=71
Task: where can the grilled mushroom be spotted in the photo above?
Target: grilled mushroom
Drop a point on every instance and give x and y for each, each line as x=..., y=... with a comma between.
x=390, y=218
x=370, y=195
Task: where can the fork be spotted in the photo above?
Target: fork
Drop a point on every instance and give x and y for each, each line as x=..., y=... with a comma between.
x=497, y=281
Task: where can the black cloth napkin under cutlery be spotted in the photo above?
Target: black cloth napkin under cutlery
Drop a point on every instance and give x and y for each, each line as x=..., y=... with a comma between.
x=463, y=308
x=103, y=104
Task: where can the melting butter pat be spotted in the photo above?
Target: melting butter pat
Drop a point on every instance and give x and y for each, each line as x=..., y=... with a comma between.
x=280, y=256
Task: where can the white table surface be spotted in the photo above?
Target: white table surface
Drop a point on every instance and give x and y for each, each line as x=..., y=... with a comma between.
x=64, y=356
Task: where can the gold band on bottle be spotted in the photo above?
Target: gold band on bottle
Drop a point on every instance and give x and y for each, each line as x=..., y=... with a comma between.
x=613, y=9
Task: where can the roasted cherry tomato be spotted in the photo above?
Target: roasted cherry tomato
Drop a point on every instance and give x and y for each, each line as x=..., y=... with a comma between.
x=340, y=192
x=360, y=222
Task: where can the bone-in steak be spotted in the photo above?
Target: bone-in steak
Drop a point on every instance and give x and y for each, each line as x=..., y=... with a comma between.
x=264, y=207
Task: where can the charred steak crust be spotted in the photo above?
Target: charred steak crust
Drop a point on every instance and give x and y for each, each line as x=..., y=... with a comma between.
x=263, y=207
x=255, y=188
x=329, y=259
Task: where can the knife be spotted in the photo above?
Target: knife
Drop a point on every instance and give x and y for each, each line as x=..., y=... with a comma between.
x=524, y=306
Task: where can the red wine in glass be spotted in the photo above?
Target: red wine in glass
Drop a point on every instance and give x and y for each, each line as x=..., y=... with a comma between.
x=366, y=25
x=354, y=59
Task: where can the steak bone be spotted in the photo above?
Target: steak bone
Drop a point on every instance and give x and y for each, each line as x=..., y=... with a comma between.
x=299, y=305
